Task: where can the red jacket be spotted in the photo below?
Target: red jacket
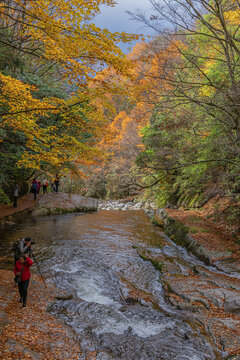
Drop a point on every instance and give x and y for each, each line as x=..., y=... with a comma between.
x=26, y=271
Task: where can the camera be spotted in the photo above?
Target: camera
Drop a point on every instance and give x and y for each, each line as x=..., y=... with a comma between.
x=27, y=239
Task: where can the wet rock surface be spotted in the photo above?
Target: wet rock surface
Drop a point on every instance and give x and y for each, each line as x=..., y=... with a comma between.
x=160, y=217
x=136, y=294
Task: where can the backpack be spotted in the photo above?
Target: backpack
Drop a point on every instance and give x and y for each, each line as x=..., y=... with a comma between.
x=34, y=186
x=15, y=248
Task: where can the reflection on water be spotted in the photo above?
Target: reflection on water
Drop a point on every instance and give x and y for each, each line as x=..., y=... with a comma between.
x=94, y=257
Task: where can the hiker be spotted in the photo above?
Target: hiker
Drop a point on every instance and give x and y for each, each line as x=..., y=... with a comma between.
x=22, y=272
x=56, y=182
x=38, y=186
x=45, y=185
x=15, y=196
x=22, y=247
x=34, y=188
x=52, y=186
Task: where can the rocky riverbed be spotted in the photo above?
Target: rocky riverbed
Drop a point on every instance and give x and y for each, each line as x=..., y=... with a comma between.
x=205, y=241
x=211, y=292
x=125, y=205
x=130, y=284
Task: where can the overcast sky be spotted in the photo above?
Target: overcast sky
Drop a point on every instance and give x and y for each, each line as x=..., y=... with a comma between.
x=116, y=18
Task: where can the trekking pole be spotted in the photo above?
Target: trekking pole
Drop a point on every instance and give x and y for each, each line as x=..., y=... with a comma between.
x=35, y=261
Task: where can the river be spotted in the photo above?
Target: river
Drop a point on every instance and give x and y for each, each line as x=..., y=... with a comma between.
x=119, y=308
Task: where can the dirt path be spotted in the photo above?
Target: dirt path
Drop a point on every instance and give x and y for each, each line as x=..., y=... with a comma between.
x=24, y=203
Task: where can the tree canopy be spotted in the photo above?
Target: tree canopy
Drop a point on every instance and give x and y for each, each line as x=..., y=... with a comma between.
x=51, y=52
x=185, y=99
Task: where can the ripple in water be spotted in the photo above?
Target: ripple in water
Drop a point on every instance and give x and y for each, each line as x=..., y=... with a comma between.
x=90, y=255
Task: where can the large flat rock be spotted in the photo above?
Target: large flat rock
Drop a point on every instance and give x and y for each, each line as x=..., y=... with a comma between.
x=58, y=203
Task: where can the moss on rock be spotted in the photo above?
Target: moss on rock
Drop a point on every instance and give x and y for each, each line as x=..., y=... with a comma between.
x=159, y=265
x=177, y=232
x=155, y=220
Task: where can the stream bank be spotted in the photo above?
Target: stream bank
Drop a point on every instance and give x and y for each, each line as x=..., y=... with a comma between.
x=32, y=333
x=45, y=204
x=190, y=229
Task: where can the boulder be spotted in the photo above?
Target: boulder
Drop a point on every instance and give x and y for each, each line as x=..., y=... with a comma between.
x=101, y=206
x=130, y=203
x=137, y=206
x=232, y=305
x=153, y=205
x=162, y=213
x=149, y=213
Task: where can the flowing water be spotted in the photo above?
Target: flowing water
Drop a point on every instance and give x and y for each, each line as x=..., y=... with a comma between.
x=94, y=257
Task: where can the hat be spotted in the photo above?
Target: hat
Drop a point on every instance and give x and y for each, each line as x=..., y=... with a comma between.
x=27, y=239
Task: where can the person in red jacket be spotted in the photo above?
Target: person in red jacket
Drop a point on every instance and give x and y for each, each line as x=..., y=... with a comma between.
x=22, y=269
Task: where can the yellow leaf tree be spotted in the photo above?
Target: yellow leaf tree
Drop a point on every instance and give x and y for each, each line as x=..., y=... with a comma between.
x=61, y=35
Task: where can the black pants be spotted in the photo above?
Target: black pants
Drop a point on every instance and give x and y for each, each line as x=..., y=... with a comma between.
x=35, y=194
x=56, y=185
x=44, y=189
x=23, y=288
x=15, y=201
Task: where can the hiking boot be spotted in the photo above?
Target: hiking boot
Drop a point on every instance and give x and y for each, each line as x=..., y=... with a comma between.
x=24, y=304
x=20, y=300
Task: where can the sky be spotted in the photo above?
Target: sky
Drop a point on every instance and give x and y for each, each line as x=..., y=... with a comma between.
x=116, y=18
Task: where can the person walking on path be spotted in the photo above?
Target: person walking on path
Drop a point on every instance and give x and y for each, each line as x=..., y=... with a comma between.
x=34, y=188
x=56, y=182
x=52, y=186
x=22, y=271
x=15, y=196
x=38, y=186
x=45, y=185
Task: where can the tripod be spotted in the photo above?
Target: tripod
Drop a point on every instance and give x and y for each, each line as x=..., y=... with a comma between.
x=35, y=261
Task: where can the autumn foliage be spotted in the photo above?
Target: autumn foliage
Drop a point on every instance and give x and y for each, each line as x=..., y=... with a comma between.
x=51, y=52
x=183, y=99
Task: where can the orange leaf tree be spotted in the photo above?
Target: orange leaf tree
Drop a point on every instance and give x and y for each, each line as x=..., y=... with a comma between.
x=60, y=39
